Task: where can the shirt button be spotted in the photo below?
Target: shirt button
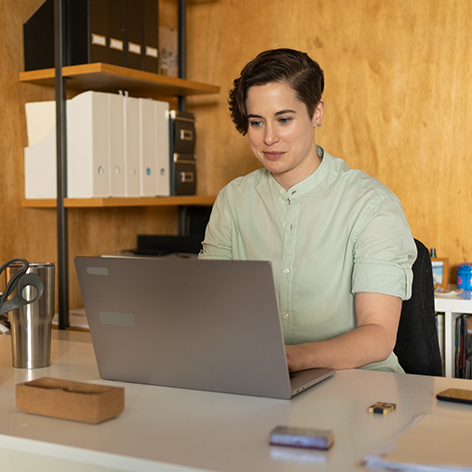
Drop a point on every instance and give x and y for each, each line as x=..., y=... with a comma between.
x=286, y=316
x=286, y=271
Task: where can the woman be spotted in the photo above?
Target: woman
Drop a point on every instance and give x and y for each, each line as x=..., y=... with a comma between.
x=338, y=239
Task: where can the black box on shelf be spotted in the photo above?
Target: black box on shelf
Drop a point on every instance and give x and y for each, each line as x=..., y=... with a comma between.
x=183, y=135
x=183, y=175
x=182, y=153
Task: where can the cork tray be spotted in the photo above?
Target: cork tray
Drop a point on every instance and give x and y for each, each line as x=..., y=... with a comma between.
x=67, y=399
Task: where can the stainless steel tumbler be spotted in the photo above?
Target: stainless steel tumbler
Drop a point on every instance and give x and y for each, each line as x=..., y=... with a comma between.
x=31, y=324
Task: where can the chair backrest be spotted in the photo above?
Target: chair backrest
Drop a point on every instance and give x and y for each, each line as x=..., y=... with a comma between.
x=417, y=346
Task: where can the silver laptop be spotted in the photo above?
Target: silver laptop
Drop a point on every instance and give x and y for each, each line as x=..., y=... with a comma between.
x=197, y=324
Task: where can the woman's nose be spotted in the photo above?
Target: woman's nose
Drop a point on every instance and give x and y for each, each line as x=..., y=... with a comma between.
x=270, y=135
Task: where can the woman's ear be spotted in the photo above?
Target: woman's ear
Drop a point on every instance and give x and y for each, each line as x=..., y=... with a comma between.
x=319, y=113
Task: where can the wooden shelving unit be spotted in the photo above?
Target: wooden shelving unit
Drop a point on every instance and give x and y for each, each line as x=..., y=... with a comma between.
x=110, y=78
x=105, y=78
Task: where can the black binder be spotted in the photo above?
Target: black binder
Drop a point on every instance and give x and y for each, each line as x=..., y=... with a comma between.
x=116, y=32
x=134, y=34
x=151, y=36
x=38, y=34
x=88, y=37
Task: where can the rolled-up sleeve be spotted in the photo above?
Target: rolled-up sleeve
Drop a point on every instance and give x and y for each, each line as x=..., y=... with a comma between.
x=384, y=250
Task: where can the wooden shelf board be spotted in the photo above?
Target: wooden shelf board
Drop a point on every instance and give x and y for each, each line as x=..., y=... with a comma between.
x=110, y=78
x=115, y=202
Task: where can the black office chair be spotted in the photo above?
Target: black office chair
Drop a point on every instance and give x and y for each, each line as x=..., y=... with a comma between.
x=417, y=346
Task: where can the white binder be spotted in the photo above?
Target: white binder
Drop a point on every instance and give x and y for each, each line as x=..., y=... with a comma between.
x=162, y=174
x=40, y=120
x=131, y=146
x=87, y=145
x=87, y=148
x=147, y=147
x=116, y=149
x=40, y=155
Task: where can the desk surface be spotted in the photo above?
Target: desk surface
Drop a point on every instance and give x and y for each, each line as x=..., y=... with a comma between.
x=164, y=429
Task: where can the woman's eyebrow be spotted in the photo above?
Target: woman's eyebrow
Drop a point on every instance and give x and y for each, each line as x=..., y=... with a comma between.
x=281, y=112
x=252, y=115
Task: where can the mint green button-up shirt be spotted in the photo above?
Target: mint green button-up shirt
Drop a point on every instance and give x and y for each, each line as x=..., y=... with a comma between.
x=336, y=233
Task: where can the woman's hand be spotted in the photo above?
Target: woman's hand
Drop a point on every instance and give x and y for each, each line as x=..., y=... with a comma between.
x=297, y=357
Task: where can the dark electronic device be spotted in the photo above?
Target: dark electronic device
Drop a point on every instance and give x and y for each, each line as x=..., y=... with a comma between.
x=157, y=245
x=456, y=395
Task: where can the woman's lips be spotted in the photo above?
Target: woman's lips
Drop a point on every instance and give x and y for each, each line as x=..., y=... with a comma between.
x=273, y=155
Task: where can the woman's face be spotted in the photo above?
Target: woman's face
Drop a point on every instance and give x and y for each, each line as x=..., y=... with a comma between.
x=281, y=133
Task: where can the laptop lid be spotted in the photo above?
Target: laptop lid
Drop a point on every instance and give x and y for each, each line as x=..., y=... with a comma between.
x=198, y=324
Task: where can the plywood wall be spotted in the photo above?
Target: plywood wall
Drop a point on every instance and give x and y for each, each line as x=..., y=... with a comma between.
x=398, y=96
x=397, y=106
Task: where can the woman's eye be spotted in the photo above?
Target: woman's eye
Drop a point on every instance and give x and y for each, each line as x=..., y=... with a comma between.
x=255, y=123
x=285, y=120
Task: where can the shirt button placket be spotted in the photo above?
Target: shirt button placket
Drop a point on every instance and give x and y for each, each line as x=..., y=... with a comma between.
x=287, y=262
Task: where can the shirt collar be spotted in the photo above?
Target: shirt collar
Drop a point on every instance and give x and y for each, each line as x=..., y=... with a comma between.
x=312, y=181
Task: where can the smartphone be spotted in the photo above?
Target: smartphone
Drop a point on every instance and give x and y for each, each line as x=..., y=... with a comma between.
x=455, y=395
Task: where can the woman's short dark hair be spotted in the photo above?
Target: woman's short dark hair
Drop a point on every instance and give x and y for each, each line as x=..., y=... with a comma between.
x=289, y=66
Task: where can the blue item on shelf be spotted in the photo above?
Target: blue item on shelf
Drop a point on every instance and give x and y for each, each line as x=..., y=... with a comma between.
x=464, y=276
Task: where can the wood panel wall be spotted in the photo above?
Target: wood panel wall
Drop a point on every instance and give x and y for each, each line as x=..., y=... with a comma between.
x=397, y=106
x=398, y=96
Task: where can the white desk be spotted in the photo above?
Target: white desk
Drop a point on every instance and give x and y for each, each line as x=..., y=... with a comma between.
x=452, y=307
x=176, y=430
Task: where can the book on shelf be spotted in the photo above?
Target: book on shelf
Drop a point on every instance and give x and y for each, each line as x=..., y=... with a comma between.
x=441, y=337
x=463, y=347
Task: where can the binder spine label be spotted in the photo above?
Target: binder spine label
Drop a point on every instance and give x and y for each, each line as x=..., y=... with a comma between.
x=151, y=52
x=116, y=44
x=99, y=40
x=134, y=48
